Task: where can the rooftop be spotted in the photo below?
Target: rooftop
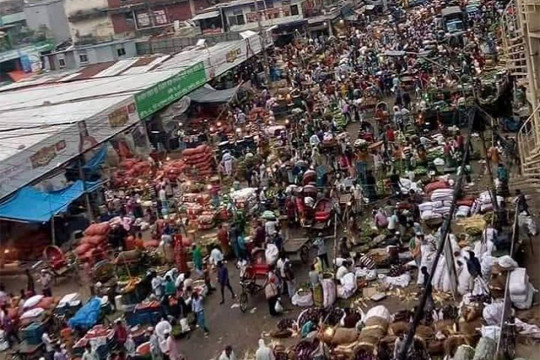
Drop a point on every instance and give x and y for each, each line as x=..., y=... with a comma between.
x=39, y=114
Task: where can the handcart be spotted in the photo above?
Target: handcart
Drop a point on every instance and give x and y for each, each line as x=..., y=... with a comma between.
x=298, y=249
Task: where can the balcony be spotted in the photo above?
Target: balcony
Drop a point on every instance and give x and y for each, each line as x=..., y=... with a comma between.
x=81, y=15
x=531, y=2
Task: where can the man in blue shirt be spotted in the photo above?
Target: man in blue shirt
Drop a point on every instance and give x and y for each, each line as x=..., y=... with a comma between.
x=223, y=279
x=198, y=309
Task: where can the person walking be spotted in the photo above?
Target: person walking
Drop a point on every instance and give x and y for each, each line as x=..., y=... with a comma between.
x=197, y=257
x=155, y=350
x=10, y=329
x=288, y=276
x=264, y=352
x=198, y=309
x=223, y=279
x=173, y=352
x=322, y=252
x=89, y=354
x=521, y=203
x=271, y=291
x=46, y=282
x=227, y=354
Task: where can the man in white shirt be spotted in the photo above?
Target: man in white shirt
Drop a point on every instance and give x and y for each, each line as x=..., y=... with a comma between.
x=227, y=354
x=314, y=140
x=392, y=222
x=157, y=286
x=49, y=350
x=216, y=256
x=89, y=354
x=270, y=228
x=163, y=327
x=342, y=270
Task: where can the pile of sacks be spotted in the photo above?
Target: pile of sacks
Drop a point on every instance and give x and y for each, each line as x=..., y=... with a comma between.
x=172, y=169
x=441, y=196
x=407, y=185
x=94, y=242
x=484, y=203
x=200, y=158
x=130, y=170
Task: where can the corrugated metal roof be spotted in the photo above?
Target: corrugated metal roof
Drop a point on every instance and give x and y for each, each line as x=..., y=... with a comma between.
x=206, y=15
x=117, y=68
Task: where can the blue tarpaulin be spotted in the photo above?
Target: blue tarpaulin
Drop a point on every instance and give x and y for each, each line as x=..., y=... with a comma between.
x=32, y=205
x=96, y=160
x=87, y=316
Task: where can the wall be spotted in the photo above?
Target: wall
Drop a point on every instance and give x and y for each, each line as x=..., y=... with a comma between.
x=95, y=54
x=99, y=26
x=50, y=14
x=175, y=44
x=123, y=23
x=99, y=54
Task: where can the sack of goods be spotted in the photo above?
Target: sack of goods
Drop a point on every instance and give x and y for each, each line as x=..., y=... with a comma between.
x=521, y=290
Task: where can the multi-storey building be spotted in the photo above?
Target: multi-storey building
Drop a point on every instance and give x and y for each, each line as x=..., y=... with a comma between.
x=136, y=17
x=521, y=40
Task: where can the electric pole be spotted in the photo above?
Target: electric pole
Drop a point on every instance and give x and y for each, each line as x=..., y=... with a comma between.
x=262, y=34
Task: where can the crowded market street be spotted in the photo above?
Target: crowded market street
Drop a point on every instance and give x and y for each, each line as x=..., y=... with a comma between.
x=353, y=199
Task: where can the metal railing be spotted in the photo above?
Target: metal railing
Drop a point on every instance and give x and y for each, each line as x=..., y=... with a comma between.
x=506, y=343
x=528, y=138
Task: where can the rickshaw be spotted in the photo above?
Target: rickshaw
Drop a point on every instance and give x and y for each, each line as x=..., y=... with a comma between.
x=320, y=217
x=59, y=264
x=253, y=275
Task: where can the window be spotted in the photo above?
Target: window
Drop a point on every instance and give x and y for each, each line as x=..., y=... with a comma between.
x=294, y=10
x=269, y=4
x=236, y=20
x=83, y=57
x=143, y=20
x=161, y=17
x=121, y=51
x=129, y=18
x=61, y=63
x=286, y=10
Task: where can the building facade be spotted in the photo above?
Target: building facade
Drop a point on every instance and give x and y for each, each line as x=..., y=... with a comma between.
x=133, y=17
x=521, y=43
x=242, y=15
x=78, y=56
x=48, y=14
x=89, y=21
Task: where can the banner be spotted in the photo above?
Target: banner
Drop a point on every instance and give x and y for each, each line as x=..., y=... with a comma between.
x=162, y=94
x=64, y=145
x=231, y=56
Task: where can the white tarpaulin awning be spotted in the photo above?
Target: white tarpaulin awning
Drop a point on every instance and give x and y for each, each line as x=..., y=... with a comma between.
x=206, y=15
x=208, y=94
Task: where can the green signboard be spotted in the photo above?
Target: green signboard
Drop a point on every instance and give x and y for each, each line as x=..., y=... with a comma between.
x=172, y=89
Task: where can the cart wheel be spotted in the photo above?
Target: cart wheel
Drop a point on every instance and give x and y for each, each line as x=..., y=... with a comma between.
x=304, y=254
x=243, y=301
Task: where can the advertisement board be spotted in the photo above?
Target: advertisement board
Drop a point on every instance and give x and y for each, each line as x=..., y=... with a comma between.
x=60, y=147
x=231, y=56
x=162, y=94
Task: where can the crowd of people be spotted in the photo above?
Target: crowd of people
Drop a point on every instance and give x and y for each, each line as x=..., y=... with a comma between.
x=380, y=74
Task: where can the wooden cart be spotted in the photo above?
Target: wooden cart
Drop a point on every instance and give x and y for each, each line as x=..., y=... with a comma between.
x=298, y=249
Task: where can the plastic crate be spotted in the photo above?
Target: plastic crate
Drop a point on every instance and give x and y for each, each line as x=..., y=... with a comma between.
x=33, y=333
